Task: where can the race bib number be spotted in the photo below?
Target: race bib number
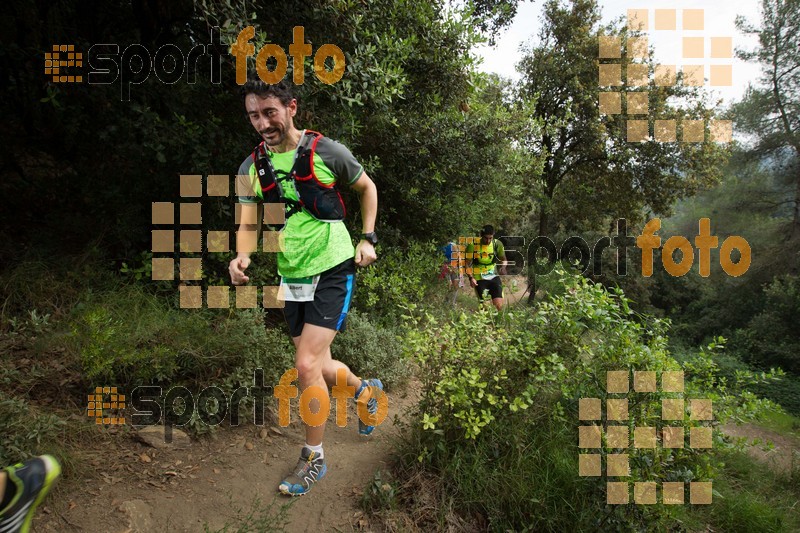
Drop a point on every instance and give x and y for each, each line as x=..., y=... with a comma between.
x=299, y=289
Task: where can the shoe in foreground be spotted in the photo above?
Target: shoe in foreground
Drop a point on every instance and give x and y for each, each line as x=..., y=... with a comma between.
x=310, y=469
x=33, y=480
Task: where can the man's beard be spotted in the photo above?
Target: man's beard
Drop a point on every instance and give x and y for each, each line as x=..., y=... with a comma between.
x=277, y=137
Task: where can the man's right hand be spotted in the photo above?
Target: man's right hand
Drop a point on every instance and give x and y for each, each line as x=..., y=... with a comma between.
x=473, y=283
x=236, y=269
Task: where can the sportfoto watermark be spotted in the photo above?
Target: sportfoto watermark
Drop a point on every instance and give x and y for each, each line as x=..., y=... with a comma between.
x=212, y=405
x=647, y=242
x=134, y=65
x=169, y=64
x=608, y=440
x=242, y=49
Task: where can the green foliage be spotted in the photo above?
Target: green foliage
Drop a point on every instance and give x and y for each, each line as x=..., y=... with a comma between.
x=751, y=498
x=371, y=350
x=400, y=276
x=109, y=355
x=785, y=392
x=783, y=389
x=404, y=61
x=756, y=311
x=731, y=395
x=35, y=292
x=26, y=431
x=493, y=383
x=770, y=110
x=770, y=337
x=591, y=171
x=34, y=324
x=380, y=494
x=473, y=370
x=129, y=337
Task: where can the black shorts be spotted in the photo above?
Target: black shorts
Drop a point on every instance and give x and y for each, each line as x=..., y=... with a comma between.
x=331, y=301
x=494, y=286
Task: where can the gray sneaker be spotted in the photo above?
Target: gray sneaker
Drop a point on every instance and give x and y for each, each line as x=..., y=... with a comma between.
x=308, y=471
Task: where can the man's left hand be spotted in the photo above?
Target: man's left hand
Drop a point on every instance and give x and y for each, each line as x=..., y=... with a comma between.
x=365, y=253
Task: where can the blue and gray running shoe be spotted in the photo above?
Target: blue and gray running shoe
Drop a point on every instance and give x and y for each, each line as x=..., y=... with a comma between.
x=308, y=471
x=373, y=388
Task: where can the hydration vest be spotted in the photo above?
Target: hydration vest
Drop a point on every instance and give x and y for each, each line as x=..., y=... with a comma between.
x=321, y=201
x=484, y=258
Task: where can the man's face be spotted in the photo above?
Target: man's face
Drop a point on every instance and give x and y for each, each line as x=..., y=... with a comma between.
x=270, y=117
x=486, y=239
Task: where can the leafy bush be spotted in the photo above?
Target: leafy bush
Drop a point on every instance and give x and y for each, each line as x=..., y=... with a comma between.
x=399, y=277
x=770, y=337
x=25, y=431
x=494, y=384
x=371, y=350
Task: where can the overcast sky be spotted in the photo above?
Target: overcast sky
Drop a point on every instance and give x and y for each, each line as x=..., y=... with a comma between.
x=719, y=16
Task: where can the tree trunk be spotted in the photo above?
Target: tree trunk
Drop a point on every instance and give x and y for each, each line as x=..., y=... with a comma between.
x=544, y=220
x=544, y=217
x=796, y=217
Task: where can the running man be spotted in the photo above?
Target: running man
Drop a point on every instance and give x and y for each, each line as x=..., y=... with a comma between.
x=304, y=171
x=482, y=260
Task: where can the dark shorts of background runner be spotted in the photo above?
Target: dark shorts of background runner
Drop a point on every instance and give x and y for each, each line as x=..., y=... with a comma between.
x=494, y=286
x=331, y=301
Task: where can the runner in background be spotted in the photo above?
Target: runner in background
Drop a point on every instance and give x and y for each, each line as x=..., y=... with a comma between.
x=482, y=259
x=452, y=269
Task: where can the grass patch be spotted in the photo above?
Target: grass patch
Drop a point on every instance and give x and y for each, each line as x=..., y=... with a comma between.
x=784, y=423
x=785, y=391
x=753, y=499
x=26, y=430
x=47, y=287
x=259, y=517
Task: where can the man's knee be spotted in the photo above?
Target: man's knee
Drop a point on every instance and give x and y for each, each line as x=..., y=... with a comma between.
x=309, y=366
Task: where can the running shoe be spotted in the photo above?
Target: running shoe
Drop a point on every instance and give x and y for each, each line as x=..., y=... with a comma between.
x=308, y=471
x=32, y=479
x=373, y=388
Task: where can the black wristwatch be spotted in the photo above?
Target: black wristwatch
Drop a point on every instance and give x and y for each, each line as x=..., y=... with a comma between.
x=371, y=237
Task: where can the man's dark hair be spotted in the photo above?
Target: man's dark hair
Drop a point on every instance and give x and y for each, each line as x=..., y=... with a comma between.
x=281, y=90
x=488, y=229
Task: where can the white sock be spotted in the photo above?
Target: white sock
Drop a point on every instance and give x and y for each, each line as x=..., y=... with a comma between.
x=316, y=449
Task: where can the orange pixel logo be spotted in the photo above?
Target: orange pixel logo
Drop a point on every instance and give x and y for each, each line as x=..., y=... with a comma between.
x=53, y=63
x=190, y=240
x=105, y=399
x=614, y=436
x=634, y=87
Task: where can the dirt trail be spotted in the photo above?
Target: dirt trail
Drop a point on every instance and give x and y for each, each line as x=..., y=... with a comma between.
x=132, y=487
x=120, y=485
x=781, y=458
